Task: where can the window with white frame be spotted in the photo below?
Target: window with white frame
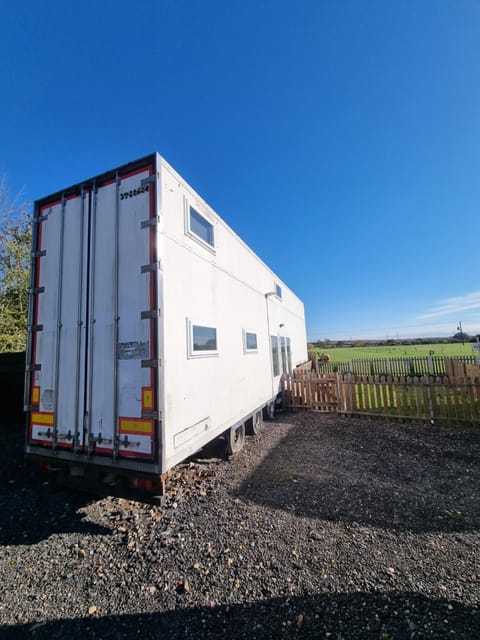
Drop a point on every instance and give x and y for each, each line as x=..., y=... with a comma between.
x=289, y=355
x=250, y=343
x=278, y=291
x=275, y=361
x=283, y=349
x=202, y=340
x=200, y=228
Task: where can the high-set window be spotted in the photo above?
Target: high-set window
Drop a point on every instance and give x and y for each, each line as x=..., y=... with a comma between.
x=200, y=227
x=202, y=340
x=278, y=291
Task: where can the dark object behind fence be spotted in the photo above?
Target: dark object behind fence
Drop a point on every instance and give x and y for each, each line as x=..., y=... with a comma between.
x=12, y=372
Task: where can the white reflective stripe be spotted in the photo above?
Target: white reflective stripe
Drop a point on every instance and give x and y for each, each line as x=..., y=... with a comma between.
x=39, y=432
x=137, y=444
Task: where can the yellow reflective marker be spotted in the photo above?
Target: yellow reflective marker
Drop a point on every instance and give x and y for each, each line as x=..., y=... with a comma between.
x=35, y=395
x=147, y=398
x=136, y=425
x=39, y=417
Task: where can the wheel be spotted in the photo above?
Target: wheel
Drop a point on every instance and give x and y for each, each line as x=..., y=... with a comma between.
x=257, y=422
x=269, y=411
x=254, y=424
x=235, y=439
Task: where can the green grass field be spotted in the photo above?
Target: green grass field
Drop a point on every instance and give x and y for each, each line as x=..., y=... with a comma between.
x=399, y=351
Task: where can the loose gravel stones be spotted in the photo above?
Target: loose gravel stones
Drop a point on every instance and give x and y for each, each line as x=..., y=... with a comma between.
x=322, y=527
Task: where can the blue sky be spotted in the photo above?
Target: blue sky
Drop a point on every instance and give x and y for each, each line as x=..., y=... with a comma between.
x=339, y=139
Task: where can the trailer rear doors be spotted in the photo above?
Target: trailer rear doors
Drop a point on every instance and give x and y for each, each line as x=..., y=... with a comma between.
x=92, y=356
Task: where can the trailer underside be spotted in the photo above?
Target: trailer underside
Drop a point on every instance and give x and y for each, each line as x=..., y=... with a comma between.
x=134, y=479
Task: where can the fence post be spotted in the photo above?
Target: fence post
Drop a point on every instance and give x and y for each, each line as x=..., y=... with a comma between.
x=309, y=396
x=389, y=367
x=283, y=382
x=431, y=408
x=431, y=370
x=340, y=402
x=350, y=393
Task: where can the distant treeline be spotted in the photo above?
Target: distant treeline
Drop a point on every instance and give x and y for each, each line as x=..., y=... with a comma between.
x=333, y=344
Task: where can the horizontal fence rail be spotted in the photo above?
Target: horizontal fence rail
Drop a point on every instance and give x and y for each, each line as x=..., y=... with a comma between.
x=435, y=399
x=408, y=366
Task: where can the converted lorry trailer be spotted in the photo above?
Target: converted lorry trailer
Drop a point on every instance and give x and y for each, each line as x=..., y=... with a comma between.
x=153, y=328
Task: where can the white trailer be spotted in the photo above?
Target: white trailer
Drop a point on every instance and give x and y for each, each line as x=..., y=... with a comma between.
x=153, y=328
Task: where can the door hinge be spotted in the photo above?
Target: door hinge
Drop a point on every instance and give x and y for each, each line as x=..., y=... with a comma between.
x=151, y=415
x=151, y=364
x=148, y=180
x=150, y=315
x=155, y=266
x=35, y=327
x=39, y=219
x=33, y=367
x=151, y=222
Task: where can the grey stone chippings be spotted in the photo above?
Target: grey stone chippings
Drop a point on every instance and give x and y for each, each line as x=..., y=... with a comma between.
x=322, y=527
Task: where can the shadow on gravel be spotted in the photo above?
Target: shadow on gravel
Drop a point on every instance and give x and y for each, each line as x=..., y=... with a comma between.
x=30, y=510
x=397, y=477
x=360, y=616
x=32, y=514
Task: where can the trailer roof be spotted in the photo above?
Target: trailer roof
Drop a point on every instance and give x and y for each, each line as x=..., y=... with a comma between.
x=98, y=180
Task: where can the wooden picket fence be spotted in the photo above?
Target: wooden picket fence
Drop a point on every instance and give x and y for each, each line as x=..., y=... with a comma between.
x=416, y=366
x=306, y=390
x=434, y=399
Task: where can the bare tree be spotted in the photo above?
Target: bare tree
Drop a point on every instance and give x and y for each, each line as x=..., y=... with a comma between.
x=15, y=240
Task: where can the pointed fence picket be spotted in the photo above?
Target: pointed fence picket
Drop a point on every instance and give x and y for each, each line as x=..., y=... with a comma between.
x=306, y=390
x=416, y=366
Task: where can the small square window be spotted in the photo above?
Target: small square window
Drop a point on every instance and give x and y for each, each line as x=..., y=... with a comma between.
x=200, y=228
x=250, y=341
x=278, y=291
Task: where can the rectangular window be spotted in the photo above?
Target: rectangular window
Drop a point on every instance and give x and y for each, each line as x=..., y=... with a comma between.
x=250, y=341
x=202, y=340
x=275, y=362
x=289, y=356
x=200, y=227
x=283, y=348
x=278, y=291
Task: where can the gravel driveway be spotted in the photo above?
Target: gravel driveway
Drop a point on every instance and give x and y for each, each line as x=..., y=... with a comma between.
x=320, y=528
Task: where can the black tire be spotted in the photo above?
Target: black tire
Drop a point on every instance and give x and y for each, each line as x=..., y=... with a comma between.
x=235, y=439
x=253, y=425
x=257, y=422
x=269, y=411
